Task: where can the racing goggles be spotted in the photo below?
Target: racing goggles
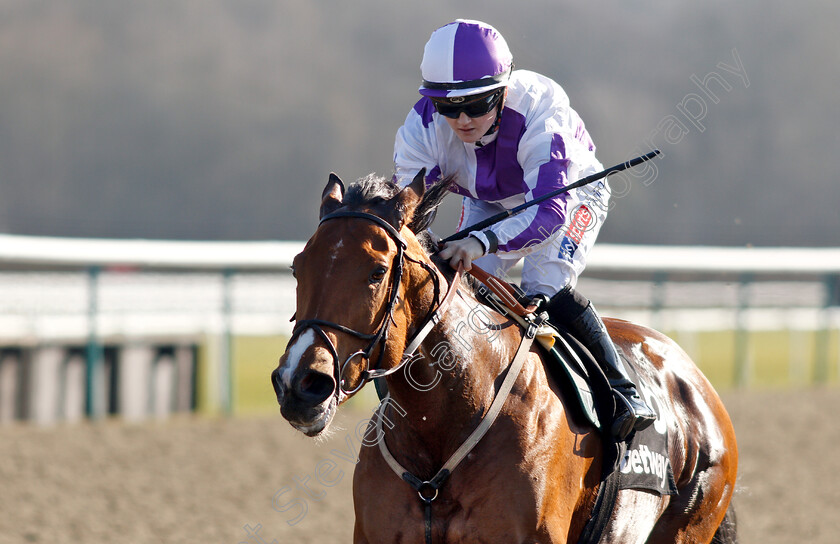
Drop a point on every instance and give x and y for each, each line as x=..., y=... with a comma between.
x=473, y=107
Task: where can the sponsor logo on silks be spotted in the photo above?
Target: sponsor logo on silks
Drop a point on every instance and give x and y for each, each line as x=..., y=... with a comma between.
x=567, y=248
x=575, y=231
x=643, y=460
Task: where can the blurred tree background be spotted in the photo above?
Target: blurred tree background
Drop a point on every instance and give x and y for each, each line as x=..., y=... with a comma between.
x=221, y=119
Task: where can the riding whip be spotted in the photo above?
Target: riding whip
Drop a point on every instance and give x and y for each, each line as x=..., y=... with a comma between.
x=579, y=183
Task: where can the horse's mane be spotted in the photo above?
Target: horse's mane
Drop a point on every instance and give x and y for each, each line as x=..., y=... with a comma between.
x=369, y=190
x=372, y=190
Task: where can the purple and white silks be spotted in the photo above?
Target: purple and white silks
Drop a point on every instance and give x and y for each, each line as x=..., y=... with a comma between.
x=541, y=145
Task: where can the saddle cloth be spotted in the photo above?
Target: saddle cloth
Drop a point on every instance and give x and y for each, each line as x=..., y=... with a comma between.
x=644, y=462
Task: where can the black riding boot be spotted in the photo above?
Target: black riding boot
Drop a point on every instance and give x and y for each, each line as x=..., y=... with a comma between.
x=573, y=311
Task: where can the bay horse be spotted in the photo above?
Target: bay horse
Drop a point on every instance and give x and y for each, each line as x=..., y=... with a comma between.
x=372, y=303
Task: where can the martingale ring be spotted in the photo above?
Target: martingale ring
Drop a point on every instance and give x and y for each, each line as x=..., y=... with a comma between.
x=362, y=354
x=424, y=498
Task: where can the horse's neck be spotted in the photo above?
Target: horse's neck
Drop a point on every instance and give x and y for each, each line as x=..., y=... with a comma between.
x=449, y=384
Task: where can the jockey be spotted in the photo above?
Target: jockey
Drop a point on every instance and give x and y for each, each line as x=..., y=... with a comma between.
x=509, y=137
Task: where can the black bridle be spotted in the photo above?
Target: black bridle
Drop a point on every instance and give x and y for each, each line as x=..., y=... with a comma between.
x=380, y=337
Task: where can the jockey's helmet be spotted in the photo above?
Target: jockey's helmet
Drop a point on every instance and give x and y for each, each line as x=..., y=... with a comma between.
x=464, y=58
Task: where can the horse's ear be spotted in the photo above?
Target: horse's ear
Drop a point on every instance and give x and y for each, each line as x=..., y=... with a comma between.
x=332, y=195
x=406, y=200
x=414, y=190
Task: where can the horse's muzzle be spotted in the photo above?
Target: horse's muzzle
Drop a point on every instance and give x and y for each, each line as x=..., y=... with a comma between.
x=310, y=388
x=306, y=398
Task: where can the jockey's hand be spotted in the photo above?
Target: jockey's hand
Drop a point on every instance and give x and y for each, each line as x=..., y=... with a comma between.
x=462, y=251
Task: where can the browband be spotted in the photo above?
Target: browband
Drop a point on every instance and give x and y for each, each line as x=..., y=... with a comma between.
x=370, y=217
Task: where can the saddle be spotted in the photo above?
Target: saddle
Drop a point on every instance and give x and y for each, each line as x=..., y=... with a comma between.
x=642, y=461
x=570, y=365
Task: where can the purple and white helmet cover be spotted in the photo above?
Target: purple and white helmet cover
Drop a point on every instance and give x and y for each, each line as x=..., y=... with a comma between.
x=464, y=58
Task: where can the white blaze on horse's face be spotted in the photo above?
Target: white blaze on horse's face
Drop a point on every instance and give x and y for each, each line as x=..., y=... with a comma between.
x=295, y=352
x=334, y=252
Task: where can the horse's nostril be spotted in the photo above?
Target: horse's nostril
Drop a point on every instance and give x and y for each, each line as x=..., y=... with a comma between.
x=315, y=387
x=278, y=387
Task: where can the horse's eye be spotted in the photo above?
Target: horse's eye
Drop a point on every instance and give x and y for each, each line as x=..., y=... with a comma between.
x=378, y=274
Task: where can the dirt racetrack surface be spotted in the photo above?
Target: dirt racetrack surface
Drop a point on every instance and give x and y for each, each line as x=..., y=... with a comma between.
x=205, y=480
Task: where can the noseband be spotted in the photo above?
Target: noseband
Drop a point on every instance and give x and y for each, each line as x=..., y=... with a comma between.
x=380, y=337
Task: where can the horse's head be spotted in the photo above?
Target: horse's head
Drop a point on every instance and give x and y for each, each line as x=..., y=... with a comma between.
x=351, y=312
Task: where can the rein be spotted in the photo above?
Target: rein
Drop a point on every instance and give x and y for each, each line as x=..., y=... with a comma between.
x=380, y=337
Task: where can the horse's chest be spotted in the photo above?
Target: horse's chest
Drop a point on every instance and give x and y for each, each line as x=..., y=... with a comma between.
x=503, y=519
x=494, y=509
